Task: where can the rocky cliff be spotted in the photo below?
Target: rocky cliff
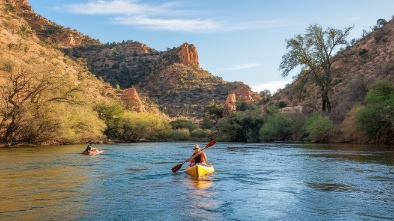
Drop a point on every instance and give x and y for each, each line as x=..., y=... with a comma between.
x=231, y=103
x=367, y=60
x=244, y=94
x=188, y=54
x=172, y=79
x=131, y=99
x=47, y=30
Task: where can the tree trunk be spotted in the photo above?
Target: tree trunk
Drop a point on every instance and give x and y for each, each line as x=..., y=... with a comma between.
x=325, y=102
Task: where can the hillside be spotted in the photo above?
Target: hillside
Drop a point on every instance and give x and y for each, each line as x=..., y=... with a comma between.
x=45, y=96
x=172, y=79
x=179, y=86
x=366, y=61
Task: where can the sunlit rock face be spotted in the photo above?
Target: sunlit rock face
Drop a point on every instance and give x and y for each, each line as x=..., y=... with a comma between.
x=188, y=54
x=131, y=98
x=231, y=103
x=244, y=94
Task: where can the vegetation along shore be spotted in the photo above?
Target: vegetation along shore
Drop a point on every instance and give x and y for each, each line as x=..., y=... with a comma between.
x=59, y=86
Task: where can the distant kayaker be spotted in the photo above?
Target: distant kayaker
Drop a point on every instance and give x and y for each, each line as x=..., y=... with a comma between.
x=198, y=156
x=89, y=148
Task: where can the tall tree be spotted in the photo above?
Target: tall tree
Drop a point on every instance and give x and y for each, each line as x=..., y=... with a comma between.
x=42, y=103
x=314, y=53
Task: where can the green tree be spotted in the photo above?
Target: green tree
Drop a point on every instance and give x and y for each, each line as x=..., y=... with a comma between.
x=380, y=22
x=37, y=100
x=376, y=118
x=213, y=112
x=265, y=94
x=314, y=53
x=112, y=116
x=240, y=127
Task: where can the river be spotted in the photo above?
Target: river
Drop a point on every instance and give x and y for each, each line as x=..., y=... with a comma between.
x=250, y=182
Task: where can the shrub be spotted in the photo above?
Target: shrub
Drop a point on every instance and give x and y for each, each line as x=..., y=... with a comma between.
x=200, y=133
x=180, y=134
x=276, y=128
x=362, y=51
x=320, y=128
x=240, y=127
x=376, y=118
x=349, y=127
x=281, y=104
x=179, y=124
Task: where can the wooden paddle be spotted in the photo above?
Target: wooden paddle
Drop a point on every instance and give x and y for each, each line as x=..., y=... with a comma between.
x=177, y=167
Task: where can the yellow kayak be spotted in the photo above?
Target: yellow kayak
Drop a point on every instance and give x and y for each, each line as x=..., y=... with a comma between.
x=198, y=170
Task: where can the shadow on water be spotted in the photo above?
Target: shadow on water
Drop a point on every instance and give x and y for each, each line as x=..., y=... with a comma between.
x=331, y=187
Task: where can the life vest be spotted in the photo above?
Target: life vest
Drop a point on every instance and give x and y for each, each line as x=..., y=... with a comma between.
x=197, y=159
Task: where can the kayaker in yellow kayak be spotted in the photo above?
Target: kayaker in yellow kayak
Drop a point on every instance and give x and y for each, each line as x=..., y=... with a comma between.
x=198, y=156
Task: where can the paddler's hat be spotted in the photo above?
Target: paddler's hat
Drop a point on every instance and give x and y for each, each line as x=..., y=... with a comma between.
x=196, y=147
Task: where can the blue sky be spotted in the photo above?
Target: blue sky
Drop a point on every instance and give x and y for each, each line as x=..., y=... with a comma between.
x=236, y=40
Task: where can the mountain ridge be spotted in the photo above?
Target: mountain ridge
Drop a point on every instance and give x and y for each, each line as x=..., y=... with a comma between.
x=173, y=79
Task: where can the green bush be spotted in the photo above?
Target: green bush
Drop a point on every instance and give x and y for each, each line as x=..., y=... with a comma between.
x=320, y=129
x=276, y=128
x=207, y=124
x=200, y=133
x=281, y=104
x=144, y=126
x=180, y=134
x=362, y=51
x=179, y=124
x=240, y=127
x=376, y=118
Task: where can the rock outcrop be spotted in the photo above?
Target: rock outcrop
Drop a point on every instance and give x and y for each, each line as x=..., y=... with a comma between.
x=49, y=31
x=21, y=5
x=188, y=55
x=244, y=94
x=294, y=109
x=132, y=100
x=230, y=105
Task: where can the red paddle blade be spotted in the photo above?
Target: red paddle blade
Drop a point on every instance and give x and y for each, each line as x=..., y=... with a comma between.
x=210, y=144
x=177, y=167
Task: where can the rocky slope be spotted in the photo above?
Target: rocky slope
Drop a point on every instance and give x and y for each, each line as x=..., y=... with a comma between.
x=20, y=43
x=368, y=60
x=173, y=79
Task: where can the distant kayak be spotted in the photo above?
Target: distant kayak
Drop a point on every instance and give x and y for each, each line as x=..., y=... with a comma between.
x=93, y=152
x=199, y=170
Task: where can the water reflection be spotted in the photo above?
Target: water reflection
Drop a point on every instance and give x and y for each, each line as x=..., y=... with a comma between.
x=38, y=184
x=200, y=182
x=252, y=182
x=203, y=204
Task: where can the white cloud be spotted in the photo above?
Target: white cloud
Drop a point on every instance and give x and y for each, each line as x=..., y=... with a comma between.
x=240, y=67
x=113, y=7
x=272, y=86
x=191, y=25
x=171, y=16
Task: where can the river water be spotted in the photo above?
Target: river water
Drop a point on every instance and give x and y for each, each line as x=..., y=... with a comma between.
x=251, y=182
